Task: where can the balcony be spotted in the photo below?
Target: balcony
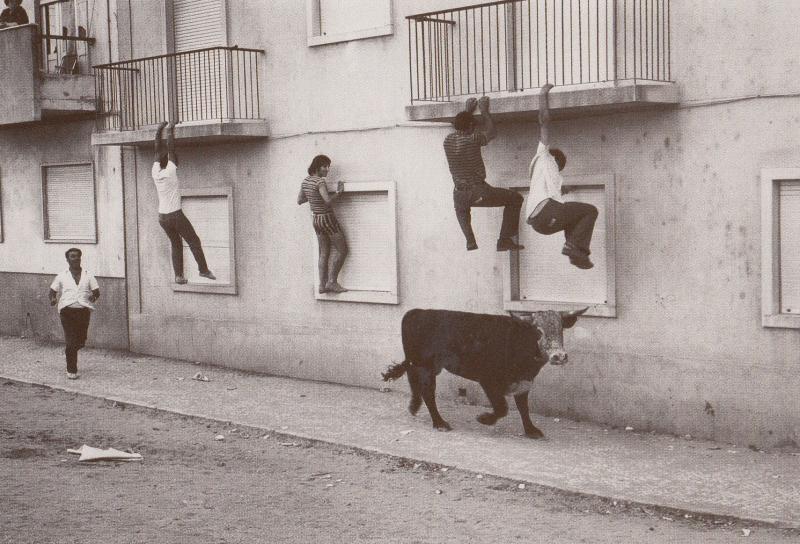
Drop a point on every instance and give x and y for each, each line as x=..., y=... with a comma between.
x=602, y=56
x=43, y=76
x=212, y=95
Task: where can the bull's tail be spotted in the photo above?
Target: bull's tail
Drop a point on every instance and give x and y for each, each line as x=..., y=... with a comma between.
x=396, y=371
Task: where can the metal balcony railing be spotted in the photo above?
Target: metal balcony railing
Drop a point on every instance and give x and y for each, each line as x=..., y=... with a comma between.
x=216, y=83
x=513, y=45
x=64, y=47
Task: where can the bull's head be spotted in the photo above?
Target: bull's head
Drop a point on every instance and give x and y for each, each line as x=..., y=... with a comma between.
x=551, y=325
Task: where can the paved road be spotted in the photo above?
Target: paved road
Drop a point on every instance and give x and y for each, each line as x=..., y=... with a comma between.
x=250, y=487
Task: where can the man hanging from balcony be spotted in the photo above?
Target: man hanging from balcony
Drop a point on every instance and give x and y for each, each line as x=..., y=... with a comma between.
x=463, y=151
x=170, y=215
x=546, y=210
x=14, y=14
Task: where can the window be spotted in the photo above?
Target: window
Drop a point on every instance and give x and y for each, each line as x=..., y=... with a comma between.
x=535, y=283
x=332, y=21
x=210, y=210
x=780, y=247
x=366, y=213
x=69, y=203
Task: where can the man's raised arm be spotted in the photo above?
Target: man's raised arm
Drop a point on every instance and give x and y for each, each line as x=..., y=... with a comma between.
x=489, y=129
x=544, y=114
x=171, y=143
x=159, y=145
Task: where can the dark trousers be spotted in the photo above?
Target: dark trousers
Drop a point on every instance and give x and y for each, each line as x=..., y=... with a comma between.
x=483, y=195
x=75, y=322
x=576, y=219
x=177, y=226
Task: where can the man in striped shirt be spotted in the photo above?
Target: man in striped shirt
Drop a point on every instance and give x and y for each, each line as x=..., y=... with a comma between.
x=463, y=151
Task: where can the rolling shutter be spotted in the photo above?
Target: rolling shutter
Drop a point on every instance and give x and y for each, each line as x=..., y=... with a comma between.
x=70, y=203
x=789, y=211
x=201, y=77
x=547, y=275
x=365, y=220
x=209, y=216
x=342, y=16
x=198, y=24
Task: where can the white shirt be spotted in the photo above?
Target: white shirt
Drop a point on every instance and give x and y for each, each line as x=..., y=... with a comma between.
x=169, y=191
x=546, y=180
x=72, y=293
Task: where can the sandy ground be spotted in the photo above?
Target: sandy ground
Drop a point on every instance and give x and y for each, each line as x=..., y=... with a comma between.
x=259, y=487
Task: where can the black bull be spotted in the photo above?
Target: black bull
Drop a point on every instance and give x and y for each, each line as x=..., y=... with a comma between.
x=503, y=354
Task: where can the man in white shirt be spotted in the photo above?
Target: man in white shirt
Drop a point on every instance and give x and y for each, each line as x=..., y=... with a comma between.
x=170, y=215
x=546, y=210
x=75, y=290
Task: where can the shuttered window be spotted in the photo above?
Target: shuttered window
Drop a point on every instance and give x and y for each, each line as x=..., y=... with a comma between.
x=331, y=21
x=211, y=213
x=344, y=16
x=201, y=77
x=540, y=277
x=546, y=275
x=69, y=203
x=366, y=214
x=198, y=24
x=789, y=225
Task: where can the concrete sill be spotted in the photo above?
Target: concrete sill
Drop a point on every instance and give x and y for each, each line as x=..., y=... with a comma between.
x=565, y=102
x=195, y=132
x=595, y=310
x=374, y=297
x=210, y=288
x=781, y=321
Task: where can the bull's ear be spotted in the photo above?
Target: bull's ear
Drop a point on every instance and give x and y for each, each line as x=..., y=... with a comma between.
x=568, y=319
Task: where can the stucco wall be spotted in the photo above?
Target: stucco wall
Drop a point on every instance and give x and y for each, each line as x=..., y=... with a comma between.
x=686, y=352
x=19, y=100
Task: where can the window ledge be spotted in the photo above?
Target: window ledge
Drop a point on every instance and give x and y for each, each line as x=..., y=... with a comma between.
x=385, y=30
x=375, y=297
x=224, y=289
x=781, y=321
x=595, y=310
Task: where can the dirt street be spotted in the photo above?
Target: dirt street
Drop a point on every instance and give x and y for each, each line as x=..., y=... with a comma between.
x=254, y=486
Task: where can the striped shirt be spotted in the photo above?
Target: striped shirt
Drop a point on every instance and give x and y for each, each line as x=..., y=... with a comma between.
x=463, y=153
x=311, y=190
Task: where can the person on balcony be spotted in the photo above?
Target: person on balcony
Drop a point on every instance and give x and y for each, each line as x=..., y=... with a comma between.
x=75, y=291
x=14, y=14
x=170, y=215
x=545, y=209
x=463, y=151
x=315, y=191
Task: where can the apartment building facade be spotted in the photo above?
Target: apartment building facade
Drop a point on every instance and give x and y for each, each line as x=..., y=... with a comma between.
x=676, y=119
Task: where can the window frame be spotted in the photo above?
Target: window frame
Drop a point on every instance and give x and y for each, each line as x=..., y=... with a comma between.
x=218, y=288
x=314, y=38
x=771, y=316
x=355, y=295
x=511, y=298
x=2, y=231
x=45, y=216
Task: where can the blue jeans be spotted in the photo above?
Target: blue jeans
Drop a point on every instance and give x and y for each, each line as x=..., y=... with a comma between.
x=483, y=195
x=576, y=219
x=177, y=226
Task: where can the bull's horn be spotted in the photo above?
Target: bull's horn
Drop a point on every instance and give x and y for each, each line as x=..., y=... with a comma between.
x=574, y=313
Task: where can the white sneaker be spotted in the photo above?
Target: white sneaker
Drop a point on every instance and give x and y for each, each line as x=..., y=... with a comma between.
x=72, y=375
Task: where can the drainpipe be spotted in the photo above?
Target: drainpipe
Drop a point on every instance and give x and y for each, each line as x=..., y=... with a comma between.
x=108, y=28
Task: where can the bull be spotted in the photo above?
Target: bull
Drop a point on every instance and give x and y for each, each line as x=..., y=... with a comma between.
x=502, y=353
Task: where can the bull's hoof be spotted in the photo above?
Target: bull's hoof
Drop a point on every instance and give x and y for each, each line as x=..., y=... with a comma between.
x=487, y=418
x=413, y=407
x=442, y=427
x=534, y=433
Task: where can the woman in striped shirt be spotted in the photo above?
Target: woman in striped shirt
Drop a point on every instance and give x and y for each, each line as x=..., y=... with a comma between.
x=315, y=192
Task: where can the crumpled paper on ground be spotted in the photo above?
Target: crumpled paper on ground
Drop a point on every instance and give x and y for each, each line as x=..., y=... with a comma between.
x=88, y=453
